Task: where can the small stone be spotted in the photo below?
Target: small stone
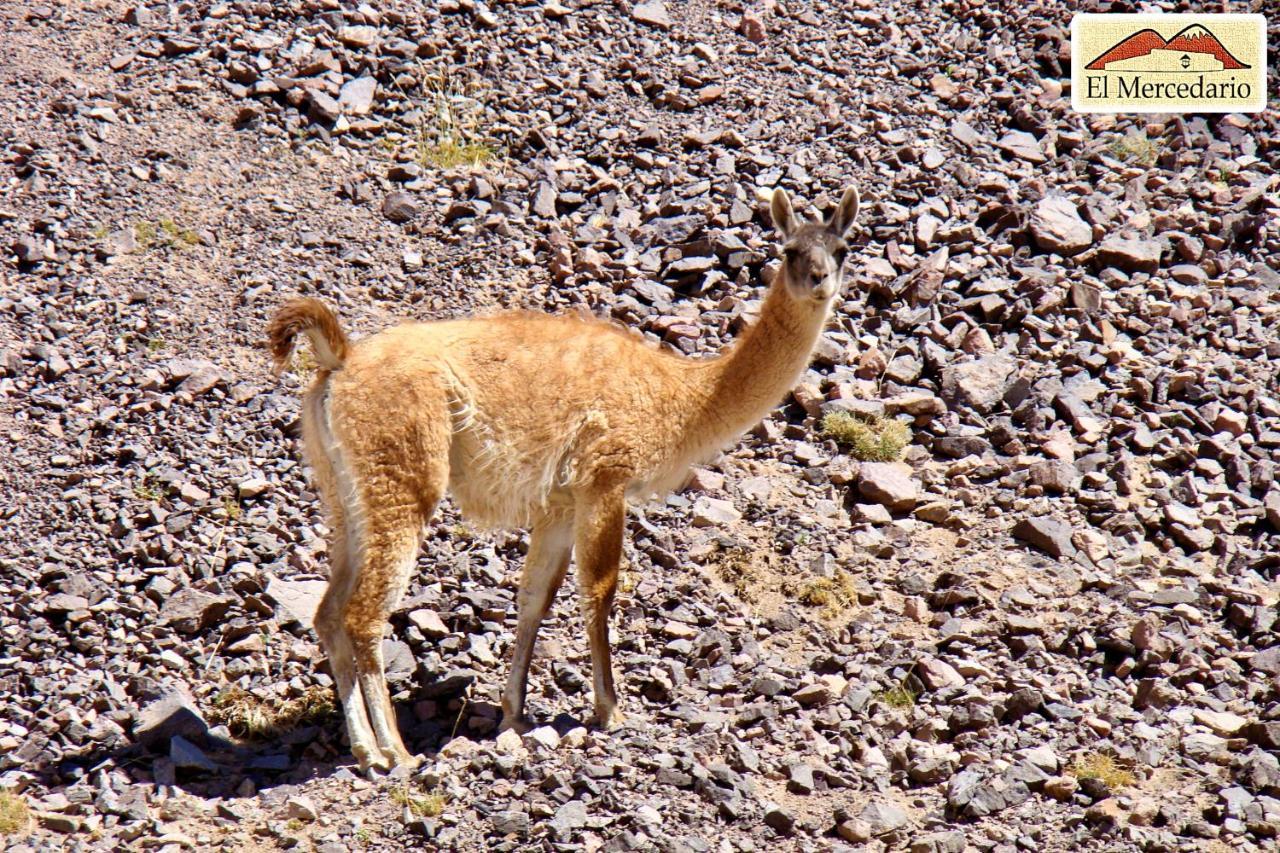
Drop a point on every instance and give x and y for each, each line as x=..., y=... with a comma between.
x=1130, y=255
x=778, y=819
x=30, y=250
x=1023, y=145
x=938, y=675
x=1230, y=421
x=544, y=736
x=254, y=487
x=172, y=714
x=883, y=817
x=298, y=599
x=570, y=816
x=855, y=831
x=1188, y=274
x=653, y=13
x=356, y=96
x=979, y=384
x=544, y=200
x=1048, y=534
x=800, y=779
x=509, y=742
x=400, y=207
x=301, y=808
x=511, y=823
x=1053, y=475
x=1057, y=227
x=1223, y=723
x=939, y=842
x=890, y=484
x=429, y=623
x=752, y=27
x=185, y=755
x=817, y=693
x=324, y=107
x=1267, y=660
x=713, y=512
x=357, y=36
x=192, y=610
x=1061, y=788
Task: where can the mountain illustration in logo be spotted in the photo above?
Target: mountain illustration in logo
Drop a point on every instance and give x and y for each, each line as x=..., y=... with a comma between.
x=1193, y=49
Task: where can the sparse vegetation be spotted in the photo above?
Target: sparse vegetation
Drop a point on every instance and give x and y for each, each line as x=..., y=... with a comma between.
x=163, y=233
x=156, y=344
x=420, y=803
x=868, y=439
x=15, y=815
x=253, y=718
x=450, y=134
x=737, y=569
x=835, y=595
x=148, y=489
x=1135, y=148
x=900, y=697
x=1103, y=767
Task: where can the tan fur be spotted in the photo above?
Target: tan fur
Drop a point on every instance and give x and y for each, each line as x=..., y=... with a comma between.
x=527, y=420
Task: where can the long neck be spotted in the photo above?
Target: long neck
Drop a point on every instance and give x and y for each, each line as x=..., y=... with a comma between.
x=745, y=383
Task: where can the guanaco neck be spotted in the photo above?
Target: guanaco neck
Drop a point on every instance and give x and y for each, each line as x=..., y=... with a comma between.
x=742, y=385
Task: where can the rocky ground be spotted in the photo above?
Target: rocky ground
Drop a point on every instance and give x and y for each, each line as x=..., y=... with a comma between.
x=1052, y=627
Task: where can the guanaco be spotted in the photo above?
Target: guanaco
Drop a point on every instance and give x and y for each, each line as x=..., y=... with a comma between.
x=527, y=420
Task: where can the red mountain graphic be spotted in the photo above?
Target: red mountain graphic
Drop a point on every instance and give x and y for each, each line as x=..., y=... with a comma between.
x=1193, y=39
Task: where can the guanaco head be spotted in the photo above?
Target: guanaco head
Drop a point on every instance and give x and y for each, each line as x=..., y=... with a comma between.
x=814, y=250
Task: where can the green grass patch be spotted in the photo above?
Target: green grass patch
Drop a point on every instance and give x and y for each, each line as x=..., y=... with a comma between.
x=876, y=439
x=900, y=697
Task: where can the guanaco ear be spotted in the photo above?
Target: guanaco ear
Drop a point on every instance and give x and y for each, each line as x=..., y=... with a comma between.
x=784, y=218
x=846, y=212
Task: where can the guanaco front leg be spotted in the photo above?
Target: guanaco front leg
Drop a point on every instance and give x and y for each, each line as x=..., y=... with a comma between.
x=599, y=520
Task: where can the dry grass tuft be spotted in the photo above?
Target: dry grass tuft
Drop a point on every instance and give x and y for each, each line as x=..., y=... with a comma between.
x=835, y=595
x=737, y=569
x=419, y=803
x=15, y=815
x=1103, y=767
x=450, y=135
x=253, y=718
x=1135, y=148
x=868, y=439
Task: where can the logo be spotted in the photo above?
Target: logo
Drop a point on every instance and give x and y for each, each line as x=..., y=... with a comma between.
x=1168, y=63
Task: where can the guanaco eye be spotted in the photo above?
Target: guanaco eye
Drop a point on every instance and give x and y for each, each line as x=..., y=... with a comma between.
x=839, y=257
x=791, y=255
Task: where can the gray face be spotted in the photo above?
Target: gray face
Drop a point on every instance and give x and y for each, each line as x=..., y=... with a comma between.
x=813, y=262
